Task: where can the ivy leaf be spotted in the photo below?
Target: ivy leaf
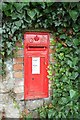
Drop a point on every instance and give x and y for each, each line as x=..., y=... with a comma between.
x=14, y=29
x=61, y=56
x=64, y=100
x=14, y=16
x=50, y=73
x=69, y=43
x=69, y=62
x=19, y=6
x=18, y=23
x=49, y=3
x=75, y=60
x=74, y=75
x=77, y=51
x=6, y=7
x=63, y=36
x=43, y=5
x=8, y=51
x=76, y=27
x=9, y=44
x=57, y=23
x=65, y=5
x=37, y=12
x=78, y=6
x=72, y=4
x=72, y=93
x=31, y=13
x=76, y=42
x=8, y=13
x=2, y=53
x=50, y=113
x=52, y=41
x=73, y=14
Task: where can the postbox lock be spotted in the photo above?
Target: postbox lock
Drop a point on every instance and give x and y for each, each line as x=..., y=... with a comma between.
x=36, y=38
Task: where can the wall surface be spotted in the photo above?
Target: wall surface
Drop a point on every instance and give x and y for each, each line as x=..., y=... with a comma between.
x=12, y=103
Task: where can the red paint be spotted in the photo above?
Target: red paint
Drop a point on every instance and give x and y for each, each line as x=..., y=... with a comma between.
x=36, y=47
x=36, y=38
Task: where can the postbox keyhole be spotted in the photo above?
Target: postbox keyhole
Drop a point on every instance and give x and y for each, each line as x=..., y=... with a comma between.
x=32, y=78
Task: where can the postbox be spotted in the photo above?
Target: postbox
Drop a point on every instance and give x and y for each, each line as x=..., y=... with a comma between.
x=36, y=60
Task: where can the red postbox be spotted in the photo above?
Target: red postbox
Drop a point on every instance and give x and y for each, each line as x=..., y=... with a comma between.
x=36, y=60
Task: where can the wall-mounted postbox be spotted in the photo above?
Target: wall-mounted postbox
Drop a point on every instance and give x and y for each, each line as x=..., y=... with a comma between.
x=36, y=59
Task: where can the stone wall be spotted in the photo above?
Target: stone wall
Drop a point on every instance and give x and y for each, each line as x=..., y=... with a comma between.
x=12, y=88
x=18, y=72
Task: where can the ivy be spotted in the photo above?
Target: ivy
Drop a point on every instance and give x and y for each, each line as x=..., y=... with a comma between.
x=63, y=20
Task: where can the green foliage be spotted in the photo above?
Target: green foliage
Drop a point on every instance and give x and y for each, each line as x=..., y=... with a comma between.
x=63, y=20
x=73, y=14
x=65, y=85
x=34, y=15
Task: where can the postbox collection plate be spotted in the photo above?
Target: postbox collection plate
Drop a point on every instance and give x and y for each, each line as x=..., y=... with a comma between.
x=36, y=60
x=35, y=65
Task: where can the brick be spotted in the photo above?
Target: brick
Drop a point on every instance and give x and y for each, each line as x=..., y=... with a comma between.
x=20, y=52
x=50, y=51
x=17, y=67
x=18, y=75
x=19, y=44
x=51, y=93
x=18, y=60
x=51, y=58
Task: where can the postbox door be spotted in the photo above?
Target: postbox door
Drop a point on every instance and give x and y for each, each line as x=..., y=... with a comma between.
x=35, y=74
x=36, y=77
